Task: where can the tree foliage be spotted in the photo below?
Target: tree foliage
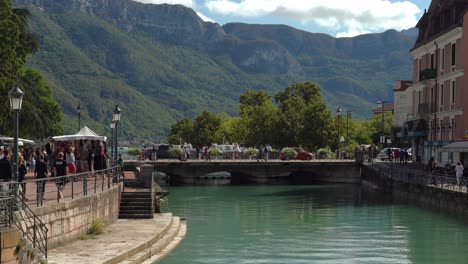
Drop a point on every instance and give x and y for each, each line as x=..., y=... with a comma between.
x=300, y=117
x=303, y=116
x=41, y=115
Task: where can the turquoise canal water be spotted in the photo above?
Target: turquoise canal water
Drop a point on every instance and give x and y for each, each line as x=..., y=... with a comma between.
x=310, y=224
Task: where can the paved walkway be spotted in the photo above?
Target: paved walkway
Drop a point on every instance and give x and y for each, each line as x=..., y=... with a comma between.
x=119, y=239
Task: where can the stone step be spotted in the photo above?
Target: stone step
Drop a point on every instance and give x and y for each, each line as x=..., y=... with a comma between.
x=136, y=211
x=135, y=203
x=136, y=216
x=135, y=195
x=162, y=246
x=133, y=207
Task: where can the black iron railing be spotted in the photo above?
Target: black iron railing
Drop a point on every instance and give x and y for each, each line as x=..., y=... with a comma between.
x=427, y=74
x=418, y=177
x=30, y=225
x=16, y=199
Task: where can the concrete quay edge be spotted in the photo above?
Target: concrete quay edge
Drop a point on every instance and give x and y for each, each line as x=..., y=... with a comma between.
x=126, y=240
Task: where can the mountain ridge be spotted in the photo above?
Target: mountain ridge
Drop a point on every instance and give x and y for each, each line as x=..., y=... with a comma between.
x=182, y=65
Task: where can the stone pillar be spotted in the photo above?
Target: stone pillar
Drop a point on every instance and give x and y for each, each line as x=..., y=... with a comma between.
x=9, y=242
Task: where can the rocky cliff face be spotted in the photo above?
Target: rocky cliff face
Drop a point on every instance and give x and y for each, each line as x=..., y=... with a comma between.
x=179, y=25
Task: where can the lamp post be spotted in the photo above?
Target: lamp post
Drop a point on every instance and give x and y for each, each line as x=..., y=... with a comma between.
x=348, y=116
x=116, y=119
x=382, y=103
x=78, y=109
x=338, y=114
x=16, y=100
x=112, y=126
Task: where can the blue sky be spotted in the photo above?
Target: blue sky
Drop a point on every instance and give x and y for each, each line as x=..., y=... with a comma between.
x=338, y=18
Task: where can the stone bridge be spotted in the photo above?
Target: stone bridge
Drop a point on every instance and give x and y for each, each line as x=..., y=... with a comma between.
x=248, y=171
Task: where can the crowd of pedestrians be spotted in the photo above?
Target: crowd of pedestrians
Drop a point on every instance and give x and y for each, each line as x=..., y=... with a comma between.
x=49, y=161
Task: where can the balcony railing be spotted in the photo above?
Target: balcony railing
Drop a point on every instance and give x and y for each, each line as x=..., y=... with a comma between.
x=427, y=74
x=424, y=109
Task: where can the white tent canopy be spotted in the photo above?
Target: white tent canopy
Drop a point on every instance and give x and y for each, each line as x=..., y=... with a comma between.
x=458, y=146
x=21, y=141
x=84, y=133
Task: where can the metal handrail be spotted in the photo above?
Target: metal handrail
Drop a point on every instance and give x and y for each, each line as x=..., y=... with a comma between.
x=74, y=185
x=14, y=200
x=418, y=177
x=30, y=225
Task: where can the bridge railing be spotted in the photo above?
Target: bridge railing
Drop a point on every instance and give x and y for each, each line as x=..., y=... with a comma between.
x=419, y=177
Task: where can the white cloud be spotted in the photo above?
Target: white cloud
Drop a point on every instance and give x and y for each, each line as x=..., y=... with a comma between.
x=348, y=17
x=204, y=18
x=188, y=3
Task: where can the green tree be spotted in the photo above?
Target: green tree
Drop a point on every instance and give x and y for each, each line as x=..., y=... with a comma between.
x=182, y=130
x=259, y=118
x=303, y=117
x=205, y=128
x=41, y=115
x=377, y=123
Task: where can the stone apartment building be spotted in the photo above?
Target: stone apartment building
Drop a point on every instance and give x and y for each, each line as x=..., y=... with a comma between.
x=435, y=101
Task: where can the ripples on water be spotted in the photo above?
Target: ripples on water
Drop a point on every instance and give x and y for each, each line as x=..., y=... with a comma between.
x=313, y=224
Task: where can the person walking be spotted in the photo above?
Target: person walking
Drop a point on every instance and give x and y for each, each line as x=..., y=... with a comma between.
x=70, y=158
x=40, y=174
x=459, y=172
x=5, y=170
x=60, y=170
x=22, y=170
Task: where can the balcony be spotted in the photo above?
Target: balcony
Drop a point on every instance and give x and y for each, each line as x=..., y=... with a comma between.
x=424, y=109
x=427, y=74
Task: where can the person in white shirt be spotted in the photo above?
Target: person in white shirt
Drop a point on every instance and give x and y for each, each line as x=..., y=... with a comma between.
x=459, y=172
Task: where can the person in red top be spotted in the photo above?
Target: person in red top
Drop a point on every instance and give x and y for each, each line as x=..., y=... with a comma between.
x=396, y=154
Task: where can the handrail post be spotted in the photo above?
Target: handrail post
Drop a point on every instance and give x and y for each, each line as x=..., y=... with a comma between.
x=85, y=185
x=72, y=184
x=95, y=182
x=102, y=185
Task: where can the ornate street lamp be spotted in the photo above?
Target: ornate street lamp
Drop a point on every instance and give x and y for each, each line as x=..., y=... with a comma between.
x=16, y=101
x=116, y=119
x=78, y=109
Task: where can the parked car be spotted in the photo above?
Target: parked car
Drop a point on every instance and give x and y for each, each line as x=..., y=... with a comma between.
x=384, y=156
x=300, y=154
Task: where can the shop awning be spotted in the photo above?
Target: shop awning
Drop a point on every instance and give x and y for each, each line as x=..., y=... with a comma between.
x=458, y=146
x=413, y=128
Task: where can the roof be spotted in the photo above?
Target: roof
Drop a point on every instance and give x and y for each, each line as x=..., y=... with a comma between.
x=401, y=85
x=84, y=133
x=21, y=141
x=388, y=107
x=458, y=146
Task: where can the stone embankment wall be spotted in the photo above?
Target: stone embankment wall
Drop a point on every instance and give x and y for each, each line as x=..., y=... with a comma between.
x=67, y=220
x=448, y=202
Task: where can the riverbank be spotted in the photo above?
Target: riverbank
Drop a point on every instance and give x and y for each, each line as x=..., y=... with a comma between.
x=125, y=241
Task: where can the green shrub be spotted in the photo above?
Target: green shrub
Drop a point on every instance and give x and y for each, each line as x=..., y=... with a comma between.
x=289, y=153
x=324, y=153
x=134, y=151
x=175, y=152
x=251, y=152
x=97, y=227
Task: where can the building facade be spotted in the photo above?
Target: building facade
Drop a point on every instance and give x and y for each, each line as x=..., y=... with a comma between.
x=439, y=92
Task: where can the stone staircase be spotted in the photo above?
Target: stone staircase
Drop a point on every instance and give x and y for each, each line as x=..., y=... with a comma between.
x=136, y=205
x=161, y=245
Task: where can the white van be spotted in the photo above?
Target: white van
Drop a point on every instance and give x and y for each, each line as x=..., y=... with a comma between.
x=225, y=148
